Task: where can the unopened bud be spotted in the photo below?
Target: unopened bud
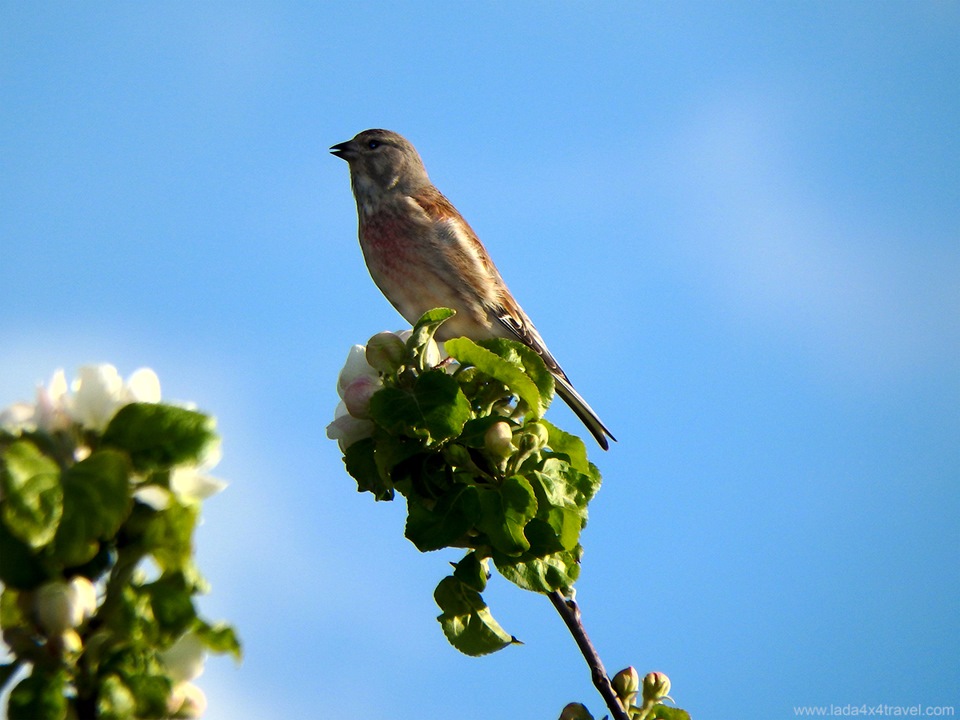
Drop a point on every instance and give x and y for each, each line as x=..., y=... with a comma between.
x=656, y=686
x=385, y=352
x=357, y=396
x=626, y=684
x=533, y=438
x=575, y=711
x=62, y=606
x=499, y=439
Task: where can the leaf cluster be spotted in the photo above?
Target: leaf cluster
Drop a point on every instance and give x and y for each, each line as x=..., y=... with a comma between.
x=466, y=445
x=62, y=518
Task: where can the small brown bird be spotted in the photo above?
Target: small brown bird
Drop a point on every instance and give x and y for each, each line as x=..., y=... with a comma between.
x=422, y=254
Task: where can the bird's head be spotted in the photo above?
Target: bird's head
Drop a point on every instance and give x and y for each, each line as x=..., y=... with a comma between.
x=381, y=161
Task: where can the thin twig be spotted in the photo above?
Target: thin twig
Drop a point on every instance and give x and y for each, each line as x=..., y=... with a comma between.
x=570, y=612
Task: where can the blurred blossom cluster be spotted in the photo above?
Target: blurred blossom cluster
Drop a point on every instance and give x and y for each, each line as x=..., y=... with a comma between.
x=362, y=376
x=69, y=411
x=100, y=491
x=89, y=401
x=184, y=661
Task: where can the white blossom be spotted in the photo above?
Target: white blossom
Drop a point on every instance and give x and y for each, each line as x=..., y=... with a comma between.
x=346, y=429
x=358, y=382
x=355, y=368
x=91, y=400
x=19, y=416
x=187, y=701
x=153, y=495
x=51, y=412
x=97, y=395
x=190, y=484
x=143, y=385
x=184, y=659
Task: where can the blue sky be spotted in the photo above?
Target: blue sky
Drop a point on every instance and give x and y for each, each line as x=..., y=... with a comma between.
x=736, y=225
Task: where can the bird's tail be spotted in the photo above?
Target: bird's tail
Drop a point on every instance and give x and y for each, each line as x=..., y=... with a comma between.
x=583, y=411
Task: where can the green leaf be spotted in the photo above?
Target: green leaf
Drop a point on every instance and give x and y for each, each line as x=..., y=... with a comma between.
x=159, y=436
x=423, y=332
x=100, y=563
x=564, y=485
x=667, y=712
x=562, y=493
x=11, y=613
x=569, y=445
x=19, y=567
x=115, y=701
x=434, y=408
x=96, y=501
x=472, y=572
x=32, y=495
x=220, y=638
x=553, y=530
x=361, y=462
x=169, y=536
x=446, y=522
x=466, y=620
x=38, y=697
x=544, y=575
x=171, y=603
x=151, y=693
x=529, y=360
x=506, y=511
x=562, y=508
x=489, y=363
x=390, y=451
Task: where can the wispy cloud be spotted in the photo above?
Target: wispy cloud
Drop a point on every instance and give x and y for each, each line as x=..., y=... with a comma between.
x=799, y=263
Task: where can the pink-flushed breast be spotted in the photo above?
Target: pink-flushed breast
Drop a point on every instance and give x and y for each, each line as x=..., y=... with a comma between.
x=407, y=264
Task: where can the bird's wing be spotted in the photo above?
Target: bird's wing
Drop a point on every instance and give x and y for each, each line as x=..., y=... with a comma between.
x=470, y=257
x=473, y=261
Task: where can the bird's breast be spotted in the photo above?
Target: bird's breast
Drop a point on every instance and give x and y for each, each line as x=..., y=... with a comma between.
x=417, y=270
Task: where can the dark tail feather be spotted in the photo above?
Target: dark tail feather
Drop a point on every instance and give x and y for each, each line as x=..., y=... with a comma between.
x=583, y=411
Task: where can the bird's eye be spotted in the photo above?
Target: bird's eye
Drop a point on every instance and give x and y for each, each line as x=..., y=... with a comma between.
x=373, y=144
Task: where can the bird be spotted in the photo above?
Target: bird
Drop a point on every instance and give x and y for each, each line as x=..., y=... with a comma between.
x=422, y=254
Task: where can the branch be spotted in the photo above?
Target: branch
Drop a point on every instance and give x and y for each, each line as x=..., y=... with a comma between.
x=570, y=612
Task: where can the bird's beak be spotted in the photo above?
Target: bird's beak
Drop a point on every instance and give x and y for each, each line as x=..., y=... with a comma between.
x=343, y=150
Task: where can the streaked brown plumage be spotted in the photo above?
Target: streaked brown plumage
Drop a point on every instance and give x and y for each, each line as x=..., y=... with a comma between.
x=422, y=254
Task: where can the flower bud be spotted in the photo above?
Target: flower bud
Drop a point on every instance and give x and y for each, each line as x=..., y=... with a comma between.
x=656, y=686
x=385, y=352
x=356, y=396
x=575, y=711
x=626, y=684
x=62, y=606
x=499, y=439
x=533, y=438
